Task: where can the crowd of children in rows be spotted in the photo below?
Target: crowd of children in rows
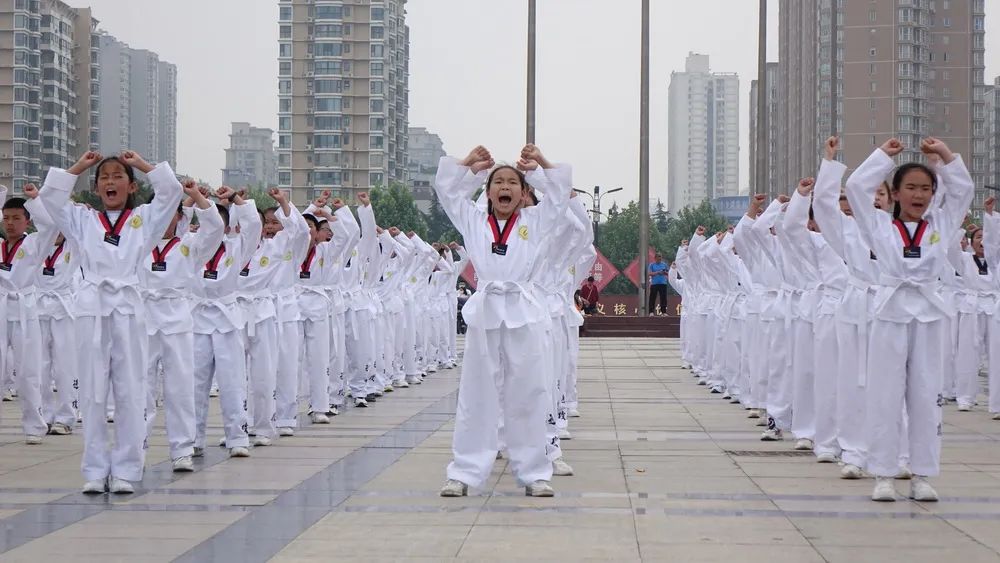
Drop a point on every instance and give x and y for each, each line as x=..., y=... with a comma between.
x=115, y=312
x=850, y=317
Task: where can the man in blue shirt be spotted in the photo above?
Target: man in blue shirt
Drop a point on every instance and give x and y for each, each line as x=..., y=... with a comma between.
x=658, y=285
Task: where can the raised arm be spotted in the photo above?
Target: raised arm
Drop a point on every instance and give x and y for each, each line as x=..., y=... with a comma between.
x=248, y=221
x=455, y=183
x=203, y=243
x=864, y=182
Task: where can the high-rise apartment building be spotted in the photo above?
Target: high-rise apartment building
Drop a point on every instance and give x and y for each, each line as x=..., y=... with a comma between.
x=903, y=68
x=992, y=107
x=773, y=165
x=138, y=102
x=49, y=76
x=250, y=158
x=704, y=134
x=424, y=150
x=343, y=75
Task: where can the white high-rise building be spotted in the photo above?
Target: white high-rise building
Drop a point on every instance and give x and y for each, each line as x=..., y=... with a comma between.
x=703, y=128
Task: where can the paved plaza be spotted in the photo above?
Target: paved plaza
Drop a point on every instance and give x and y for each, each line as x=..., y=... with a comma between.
x=665, y=472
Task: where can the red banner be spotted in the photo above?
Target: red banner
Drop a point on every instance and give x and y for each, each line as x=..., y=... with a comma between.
x=469, y=275
x=632, y=271
x=603, y=271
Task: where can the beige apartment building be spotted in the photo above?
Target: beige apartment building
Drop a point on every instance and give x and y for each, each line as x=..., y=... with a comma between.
x=342, y=95
x=49, y=87
x=904, y=68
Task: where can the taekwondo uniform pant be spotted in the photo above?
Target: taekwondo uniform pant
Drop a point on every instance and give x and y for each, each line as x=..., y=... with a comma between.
x=262, y=368
x=409, y=343
x=360, y=352
x=779, y=381
x=973, y=335
x=993, y=345
x=287, y=388
x=508, y=358
x=803, y=377
x=58, y=364
x=112, y=351
x=555, y=343
x=315, y=336
x=905, y=371
x=825, y=369
x=758, y=357
x=445, y=325
x=223, y=354
x=338, y=360
x=852, y=369
x=744, y=386
x=171, y=356
x=572, y=398
x=23, y=341
x=452, y=328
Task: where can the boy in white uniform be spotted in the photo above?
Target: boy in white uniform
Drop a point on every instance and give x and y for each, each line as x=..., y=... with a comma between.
x=56, y=283
x=219, y=322
x=167, y=275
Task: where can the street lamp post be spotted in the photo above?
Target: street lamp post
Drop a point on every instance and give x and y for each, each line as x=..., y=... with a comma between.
x=530, y=103
x=644, y=157
x=595, y=201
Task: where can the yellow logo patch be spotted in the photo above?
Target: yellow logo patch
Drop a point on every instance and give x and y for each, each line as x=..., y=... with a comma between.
x=522, y=232
x=264, y=261
x=321, y=262
x=935, y=237
x=229, y=261
x=136, y=222
x=66, y=258
x=413, y=279
x=20, y=254
x=185, y=251
x=287, y=257
x=354, y=252
x=572, y=270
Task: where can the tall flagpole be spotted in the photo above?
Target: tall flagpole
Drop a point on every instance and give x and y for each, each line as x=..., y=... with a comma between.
x=530, y=106
x=644, y=164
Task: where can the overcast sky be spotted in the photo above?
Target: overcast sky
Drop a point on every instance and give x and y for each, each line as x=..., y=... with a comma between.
x=467, y=76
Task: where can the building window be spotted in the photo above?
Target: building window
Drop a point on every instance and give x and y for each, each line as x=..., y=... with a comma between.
x=329, y=49
x=284, y=14
x=285, y=68
x=378, y=14
x=377, y=87
x=377, y=69
x=284, y=49
x=285, y=105
x=377, y=106
x=329, y=12
x=286, y=32
x=378, y=32
x=378, y=51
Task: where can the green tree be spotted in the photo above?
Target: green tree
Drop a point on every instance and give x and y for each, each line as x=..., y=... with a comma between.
x=685, y=222
x=394, y=206
x=439, y=226
x=661, y=218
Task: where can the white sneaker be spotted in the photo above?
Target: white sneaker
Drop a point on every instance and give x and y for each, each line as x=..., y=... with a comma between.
x=702, y=382
x=850, y=471
x=432, y=369
x=96, y=487
x=402, y=384
x=319, y=418
x=772, y=436
x=826, y=457
x=499, y=455
x=360, y=403
x=762, y=421
x=183, y=464
x=60, y=429
x=996, y=416
x=454, y=488
x=286, y=431
x=734, y=400
x=753, y=413
x=904, y=474
x=239, y=451
x=213, y=392
x=564, y=434
x=388, y=389
x=222, y=442
x=573, y=413
x=8, y=397
x=539, y=489
x=32, y=440
x=261, y=441
x=198, y=452
x=121, y=486
x=964, y=407
x=334, y=411
x=561, y=469
x=884, y=491
x=804, y=444
x=412, y=380
x=922, y=491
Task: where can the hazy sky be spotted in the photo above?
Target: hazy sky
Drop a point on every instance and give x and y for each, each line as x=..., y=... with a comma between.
x=467, y=74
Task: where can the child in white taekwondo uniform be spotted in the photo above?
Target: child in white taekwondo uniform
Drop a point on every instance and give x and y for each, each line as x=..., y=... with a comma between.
x=832, y=278
x=345, y=238
x=262, y=282
x=384, y=333
x=360, y=328
x=580, y=271
x=56, y=285
x=22, y=256
x=422, y=295
x=166, y=276
x=411, y=315
x=112, y=347
x=991, y=255
x=460, y=265
x=395, y=301
x=439, y=309
x=506, y=321
x=976, y=302
x=219, y=323
x=575, y=269
x=908, y=328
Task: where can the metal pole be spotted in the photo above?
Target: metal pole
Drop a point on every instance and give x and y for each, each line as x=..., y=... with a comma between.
x=530, y=114
x=763, y=148
x=644, y=162
x=834, y=10
x=597, y=212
